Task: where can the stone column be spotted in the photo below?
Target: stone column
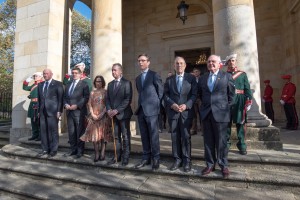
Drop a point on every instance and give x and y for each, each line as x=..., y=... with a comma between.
x=38, y=45
x=235, y=32
x=106, y=37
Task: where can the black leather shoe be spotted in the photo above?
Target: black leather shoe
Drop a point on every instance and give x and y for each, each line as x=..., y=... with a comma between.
x=225, y=173
x=72, y=153
x=175, y=166
x=79, y=155
x=113, y=161
x=142, y=164
x=155, y=165
x=42, y=154
x=53, y=153
x=243, y=152
x=37, y=139
x=187, y=167
x=125, y=162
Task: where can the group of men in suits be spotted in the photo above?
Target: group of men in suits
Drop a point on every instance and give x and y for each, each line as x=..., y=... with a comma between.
x=215, y=89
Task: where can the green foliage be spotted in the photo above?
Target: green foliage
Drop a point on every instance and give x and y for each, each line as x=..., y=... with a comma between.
x=7, y=36
x=81, y=40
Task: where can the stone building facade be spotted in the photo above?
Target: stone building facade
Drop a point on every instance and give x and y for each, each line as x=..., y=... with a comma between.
x=265, y=34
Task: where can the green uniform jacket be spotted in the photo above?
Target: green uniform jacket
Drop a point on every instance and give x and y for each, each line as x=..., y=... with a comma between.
x=33, y=99
x=68, y=78
x=237, y=109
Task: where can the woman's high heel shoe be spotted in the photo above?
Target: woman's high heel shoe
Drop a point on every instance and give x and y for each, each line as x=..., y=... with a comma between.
x=102, y=158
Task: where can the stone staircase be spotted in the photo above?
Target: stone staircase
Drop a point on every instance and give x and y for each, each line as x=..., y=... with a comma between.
x=259, y=175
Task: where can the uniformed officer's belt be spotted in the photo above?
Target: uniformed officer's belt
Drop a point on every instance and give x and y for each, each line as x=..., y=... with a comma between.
x=239, y=91
x=34, y=100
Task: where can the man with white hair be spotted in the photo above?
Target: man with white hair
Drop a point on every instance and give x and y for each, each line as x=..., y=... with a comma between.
x=68, y=78
x=33, y=106
x=242, y=103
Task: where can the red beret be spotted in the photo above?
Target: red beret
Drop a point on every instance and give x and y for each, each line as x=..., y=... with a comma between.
x=287, y=76
x=266, y=81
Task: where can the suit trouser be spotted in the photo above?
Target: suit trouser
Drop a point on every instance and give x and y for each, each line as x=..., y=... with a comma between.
x=291, y=115
x=215, y=141
x=269, y=110
x=181, y=139
x=76, y=130
x=49, y=132
x=121, y=134
x=149, y=135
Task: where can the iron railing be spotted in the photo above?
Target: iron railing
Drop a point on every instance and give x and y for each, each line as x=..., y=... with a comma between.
x=5, y=105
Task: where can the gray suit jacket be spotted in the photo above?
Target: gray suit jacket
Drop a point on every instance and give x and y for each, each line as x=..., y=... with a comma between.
x=220, y=99
x=79, y=97
x=187, y=96
x=53, y=101
x=150, y=94
x=120, y=99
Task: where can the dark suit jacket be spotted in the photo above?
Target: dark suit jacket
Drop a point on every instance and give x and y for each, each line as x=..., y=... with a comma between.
x=220, y=99
x=79, y=97
x=187, y=96
x=120, y=99
x=150, y=93
x=53, y=101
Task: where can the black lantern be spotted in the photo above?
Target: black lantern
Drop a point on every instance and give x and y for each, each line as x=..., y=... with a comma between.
x=182, y=11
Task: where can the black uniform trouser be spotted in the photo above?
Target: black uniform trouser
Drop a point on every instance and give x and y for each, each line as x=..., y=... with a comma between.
x=76, y=128
x=291, y=115
x=269, y=110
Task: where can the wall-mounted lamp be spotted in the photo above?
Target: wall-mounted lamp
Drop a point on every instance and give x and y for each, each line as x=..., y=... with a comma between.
x=182, y=11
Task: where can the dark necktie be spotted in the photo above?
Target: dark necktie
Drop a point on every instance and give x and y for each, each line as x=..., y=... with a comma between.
x=72, y=88
x=116, y=85
x=46, y=88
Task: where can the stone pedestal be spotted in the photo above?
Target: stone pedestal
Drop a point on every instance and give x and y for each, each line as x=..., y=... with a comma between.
x=259, y=138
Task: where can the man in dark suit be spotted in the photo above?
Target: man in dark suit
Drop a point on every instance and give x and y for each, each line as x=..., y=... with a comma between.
x=216, y=90
x=75, y=100
x=150, y=89
x=50, y=98
x=118, y=100
x=180, y=93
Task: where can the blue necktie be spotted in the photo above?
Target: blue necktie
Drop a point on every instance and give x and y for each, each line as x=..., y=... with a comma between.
x=211, y=82
x=46, y=88
x=143, y=78
x=179, y=83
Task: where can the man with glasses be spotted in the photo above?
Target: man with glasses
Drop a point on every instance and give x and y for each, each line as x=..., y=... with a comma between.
x=75, y=100
x=216, y=92
x=150, y=90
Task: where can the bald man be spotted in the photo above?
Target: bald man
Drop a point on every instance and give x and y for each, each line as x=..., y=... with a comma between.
x=50, y=98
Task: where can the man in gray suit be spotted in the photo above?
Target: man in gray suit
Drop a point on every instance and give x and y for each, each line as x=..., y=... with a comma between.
x=75, y=100
x=216, y=90
x=50, y=98
x=118, y=100
x=150, y=89
x=180, y=93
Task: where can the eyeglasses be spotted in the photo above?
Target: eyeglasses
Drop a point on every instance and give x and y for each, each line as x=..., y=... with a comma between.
x=142, y=60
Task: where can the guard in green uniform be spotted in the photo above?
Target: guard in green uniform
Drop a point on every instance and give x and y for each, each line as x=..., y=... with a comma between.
x=242, y=103
x=33, y=106
x=84, y=77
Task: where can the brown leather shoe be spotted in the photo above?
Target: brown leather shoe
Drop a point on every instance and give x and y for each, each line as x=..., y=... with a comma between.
x=225, y=172
x=207, y=170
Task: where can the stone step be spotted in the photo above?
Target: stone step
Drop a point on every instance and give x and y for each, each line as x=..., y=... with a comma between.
x=253, y=156
x=68, y=178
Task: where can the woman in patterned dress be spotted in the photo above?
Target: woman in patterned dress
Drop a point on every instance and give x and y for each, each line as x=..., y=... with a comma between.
x=97, y=130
